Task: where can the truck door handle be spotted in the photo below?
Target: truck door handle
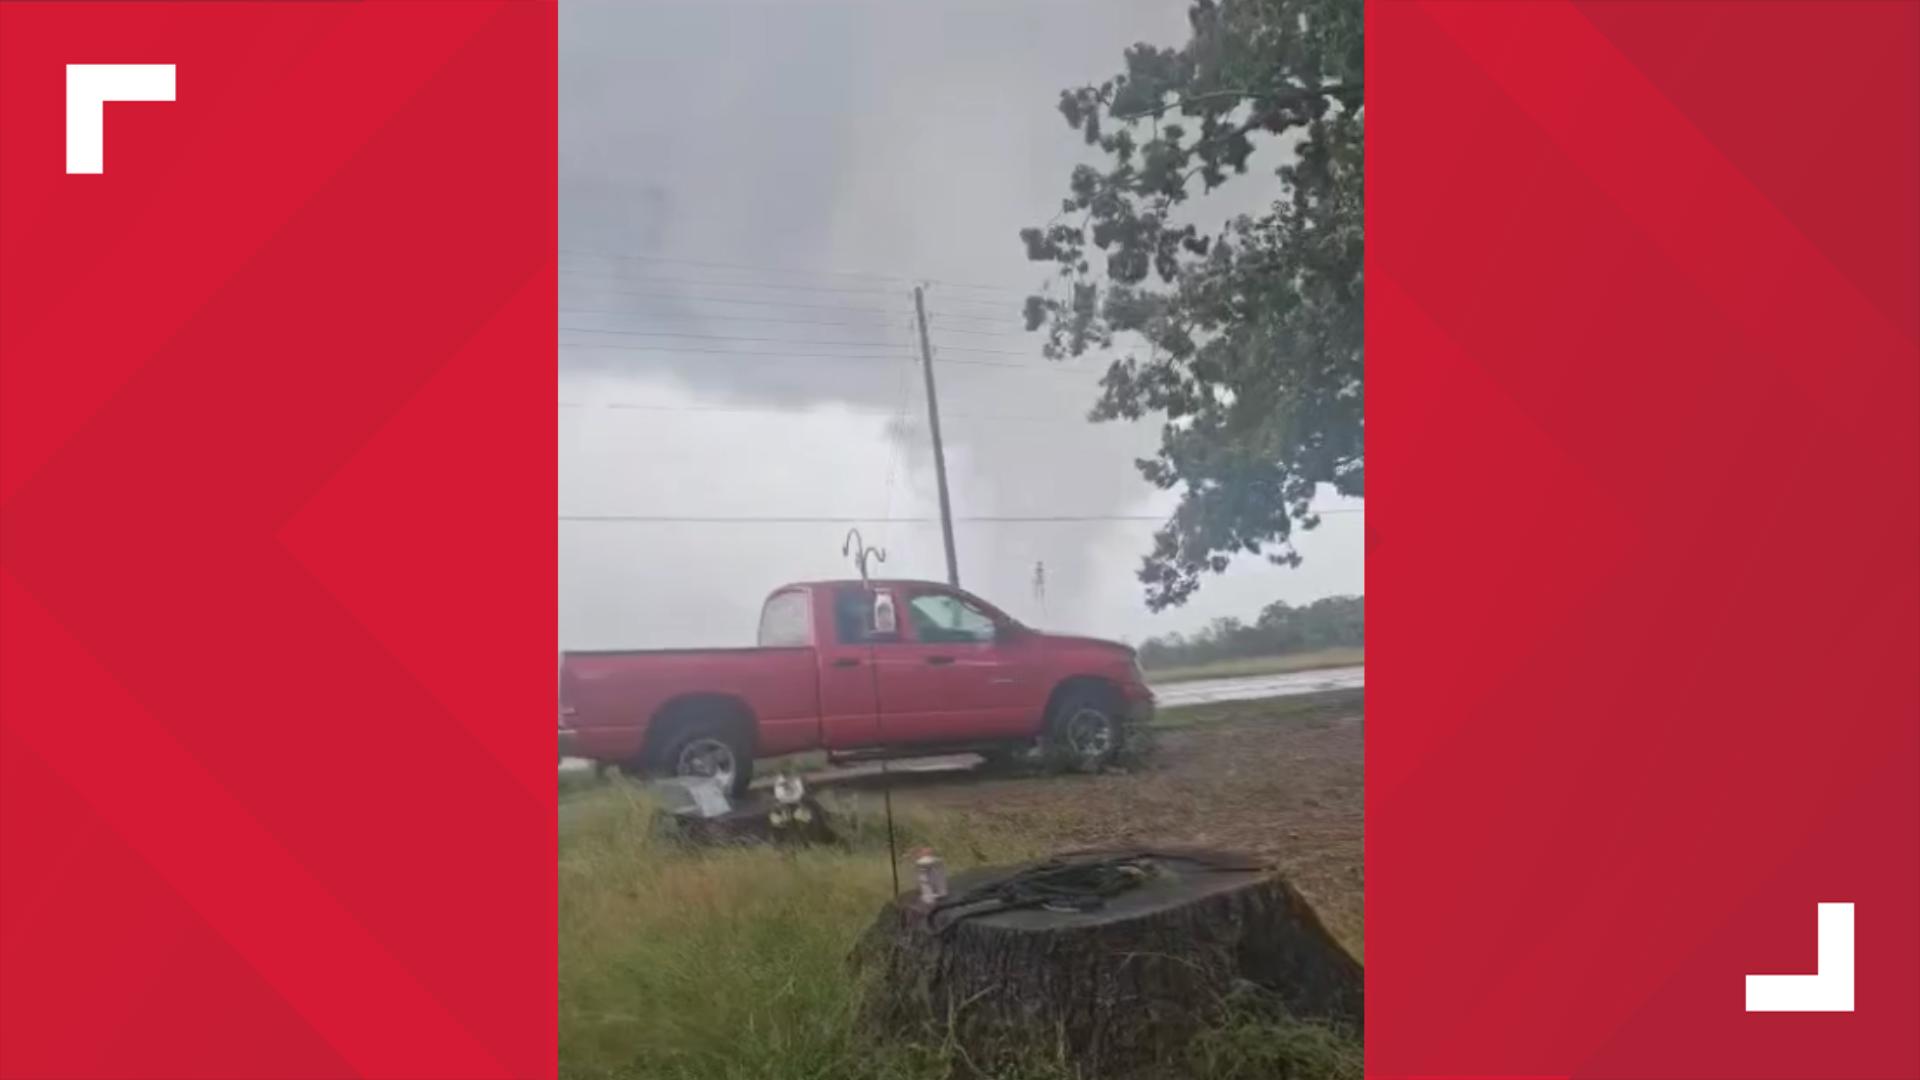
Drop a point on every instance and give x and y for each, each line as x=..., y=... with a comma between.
x=846, y=661
x=939, y=659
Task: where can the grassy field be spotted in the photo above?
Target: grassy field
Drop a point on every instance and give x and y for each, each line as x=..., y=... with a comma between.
x=725, y=964
x=732, y=964
x=1343, y=656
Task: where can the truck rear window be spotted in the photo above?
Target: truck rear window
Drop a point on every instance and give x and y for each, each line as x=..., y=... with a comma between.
x=786, y=621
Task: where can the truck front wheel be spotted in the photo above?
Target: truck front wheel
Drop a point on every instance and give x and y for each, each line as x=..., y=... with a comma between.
x=1083, y=731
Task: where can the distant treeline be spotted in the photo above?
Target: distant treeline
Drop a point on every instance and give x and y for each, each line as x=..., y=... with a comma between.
x=1281, y=628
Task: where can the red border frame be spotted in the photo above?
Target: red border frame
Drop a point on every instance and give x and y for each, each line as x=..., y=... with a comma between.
x=276, y=572
x=276, y=553
x=1644, y=550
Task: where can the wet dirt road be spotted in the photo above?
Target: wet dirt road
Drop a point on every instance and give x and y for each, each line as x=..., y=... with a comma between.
x=1250, y=687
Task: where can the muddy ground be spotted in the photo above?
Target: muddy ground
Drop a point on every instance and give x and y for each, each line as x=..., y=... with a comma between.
x=1279, y=779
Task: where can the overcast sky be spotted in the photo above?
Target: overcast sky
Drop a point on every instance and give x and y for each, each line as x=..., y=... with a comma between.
x=768, y=179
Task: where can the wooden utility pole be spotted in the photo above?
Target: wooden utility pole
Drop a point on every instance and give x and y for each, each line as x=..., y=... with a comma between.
x=933, y=424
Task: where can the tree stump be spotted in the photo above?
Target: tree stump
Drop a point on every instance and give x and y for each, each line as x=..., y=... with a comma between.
x=1117, y=987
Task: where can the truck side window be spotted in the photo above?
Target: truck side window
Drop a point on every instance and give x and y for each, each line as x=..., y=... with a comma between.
x=941, y=617
x=853, y=617
x=786, y=621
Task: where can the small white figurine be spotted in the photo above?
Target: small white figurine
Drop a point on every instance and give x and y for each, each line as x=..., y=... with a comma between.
x=788, y=789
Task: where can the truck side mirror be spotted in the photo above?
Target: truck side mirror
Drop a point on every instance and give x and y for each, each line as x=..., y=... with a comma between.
x=884, y=620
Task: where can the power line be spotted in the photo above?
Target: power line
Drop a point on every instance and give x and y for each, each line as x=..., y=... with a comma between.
x=749, y=411
x=728, y=284
x=745, y=302
x=777, y=286
x=995, y=519
x=642, y=407
x=778, y=304
x=1003, y=305
x=933, y=319
x=867, y=323
x=729, y=337
x=767, y=269
x=940, y=357
x=871, y=324
x=783, y=355
x=782, y=341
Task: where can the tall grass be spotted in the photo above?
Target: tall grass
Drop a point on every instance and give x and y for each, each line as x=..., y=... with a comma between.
x=729, y=962
x=732, y=963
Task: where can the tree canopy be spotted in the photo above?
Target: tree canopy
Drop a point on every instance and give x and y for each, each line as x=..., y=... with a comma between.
x=1248, y=339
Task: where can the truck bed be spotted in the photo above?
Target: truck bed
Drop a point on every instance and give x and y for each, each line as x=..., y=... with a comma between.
x=609, y=696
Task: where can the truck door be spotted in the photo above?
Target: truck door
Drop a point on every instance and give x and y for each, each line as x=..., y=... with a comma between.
x=847, y=644
x=955, y=679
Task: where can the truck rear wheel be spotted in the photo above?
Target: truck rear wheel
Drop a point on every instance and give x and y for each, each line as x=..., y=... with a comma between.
x=703, y=741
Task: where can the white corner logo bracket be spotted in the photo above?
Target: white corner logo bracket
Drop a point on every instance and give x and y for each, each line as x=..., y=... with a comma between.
x=1829, y=988
x=89, y=88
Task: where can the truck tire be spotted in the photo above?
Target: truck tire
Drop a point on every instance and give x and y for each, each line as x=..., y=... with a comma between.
x=1084, y=729
x=707, y=747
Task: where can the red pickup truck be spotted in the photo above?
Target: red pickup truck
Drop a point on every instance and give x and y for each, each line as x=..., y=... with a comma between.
x=854, y=668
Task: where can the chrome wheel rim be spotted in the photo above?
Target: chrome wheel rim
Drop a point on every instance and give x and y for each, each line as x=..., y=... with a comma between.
x=1090, y=733
x=707, y=758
